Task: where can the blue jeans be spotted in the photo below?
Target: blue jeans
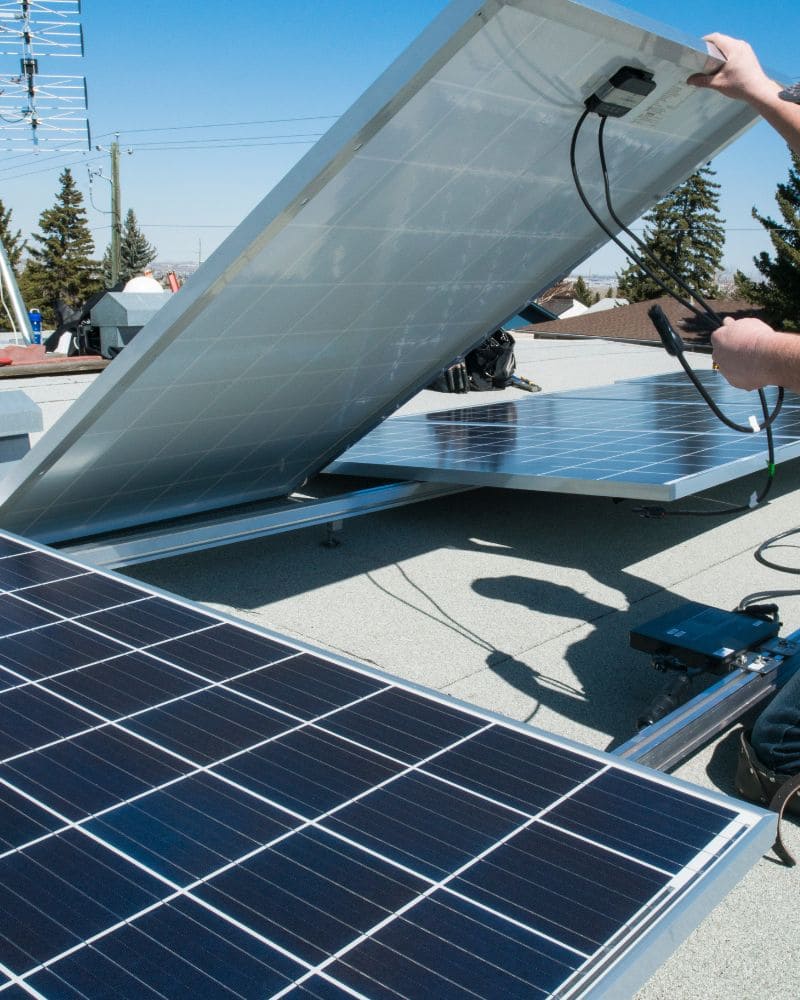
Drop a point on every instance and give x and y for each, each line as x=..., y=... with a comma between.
x=776, y=734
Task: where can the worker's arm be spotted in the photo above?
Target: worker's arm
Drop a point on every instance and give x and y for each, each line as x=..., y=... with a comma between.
x=751, y=354
x=742, y=77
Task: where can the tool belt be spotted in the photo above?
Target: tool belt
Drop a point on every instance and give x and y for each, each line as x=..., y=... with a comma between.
x=778, y=792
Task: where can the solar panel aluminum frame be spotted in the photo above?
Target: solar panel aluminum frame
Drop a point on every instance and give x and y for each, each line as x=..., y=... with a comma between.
x=149, y=544
x=651, y=438
x=352, y=464
x=626, y=975
x=642, y=945
x=366, y=270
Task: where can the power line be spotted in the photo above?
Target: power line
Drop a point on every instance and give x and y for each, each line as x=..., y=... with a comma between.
x=237, y=145
x=166, y=225
x=33, y=159
x=264, y=121
x=45, y=170
x=187, y=143
x=15, y=170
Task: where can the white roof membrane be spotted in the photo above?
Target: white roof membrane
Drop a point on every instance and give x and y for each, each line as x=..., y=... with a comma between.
x=427, y=215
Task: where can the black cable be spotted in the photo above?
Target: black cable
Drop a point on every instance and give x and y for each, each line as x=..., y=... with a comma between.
x=692, y=293
x=612, y=235
x=710, y=316
x=658, y=512
x=751, y=599
x=769, y=418
x=760, y=557
x=707, y=315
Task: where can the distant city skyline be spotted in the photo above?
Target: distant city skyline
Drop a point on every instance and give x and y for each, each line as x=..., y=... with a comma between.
x=225, y=105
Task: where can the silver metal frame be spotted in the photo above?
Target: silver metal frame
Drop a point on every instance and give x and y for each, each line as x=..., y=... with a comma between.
x=626, y=974
x=273, y=519
x=9, y=282
x=75, y=480
x=669, y=741
x=615, y=489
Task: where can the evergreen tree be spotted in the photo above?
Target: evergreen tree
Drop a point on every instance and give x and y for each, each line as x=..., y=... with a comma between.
x=584, y=294
x=61, y=268
x=135, y=252
x=780, y=293
x=686, y=233
x=13, y=242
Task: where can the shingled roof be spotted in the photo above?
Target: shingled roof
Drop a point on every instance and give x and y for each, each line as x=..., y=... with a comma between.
x=632, y=323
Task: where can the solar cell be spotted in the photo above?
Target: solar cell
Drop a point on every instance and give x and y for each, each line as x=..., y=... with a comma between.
x=427, y=216
x=648, y=439
x=195, y=808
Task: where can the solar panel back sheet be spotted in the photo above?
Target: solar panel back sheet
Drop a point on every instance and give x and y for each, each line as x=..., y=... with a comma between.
x=190, y=806
x=432, y=210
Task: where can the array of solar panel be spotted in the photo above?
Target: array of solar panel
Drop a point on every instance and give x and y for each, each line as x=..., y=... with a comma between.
x=430, y=212
x=644, y=439
x=194, y=808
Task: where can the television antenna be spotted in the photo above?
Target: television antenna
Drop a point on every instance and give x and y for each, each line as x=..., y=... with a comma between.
x=35, y=107
x=39, y=108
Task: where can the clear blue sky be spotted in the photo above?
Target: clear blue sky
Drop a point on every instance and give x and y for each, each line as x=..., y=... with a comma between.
x=154, y=70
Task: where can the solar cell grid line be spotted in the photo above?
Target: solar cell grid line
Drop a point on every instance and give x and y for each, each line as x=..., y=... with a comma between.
x=604, y=411
x=382, y=841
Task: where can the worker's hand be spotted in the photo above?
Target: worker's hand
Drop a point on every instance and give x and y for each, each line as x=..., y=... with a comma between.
x=741, y=76
x=743, y=352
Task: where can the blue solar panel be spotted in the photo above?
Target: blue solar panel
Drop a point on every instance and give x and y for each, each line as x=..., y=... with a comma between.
x=192, y=808
x=649, y=439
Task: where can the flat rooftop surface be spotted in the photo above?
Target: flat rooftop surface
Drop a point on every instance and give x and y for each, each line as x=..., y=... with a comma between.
x=522, y=603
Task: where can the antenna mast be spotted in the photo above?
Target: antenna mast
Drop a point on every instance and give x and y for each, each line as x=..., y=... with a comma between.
x=44, y=109
x=47, y=109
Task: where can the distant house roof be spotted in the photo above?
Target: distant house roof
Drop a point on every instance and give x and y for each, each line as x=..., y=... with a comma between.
x=560, y=304
x=607, y=303
x=631, y=322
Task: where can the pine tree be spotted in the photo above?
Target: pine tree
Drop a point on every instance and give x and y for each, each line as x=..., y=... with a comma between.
x=61, y=268
x=687, y=234
x=583, y=294
x=134, y=250
x=13, y=242
x=780, y=293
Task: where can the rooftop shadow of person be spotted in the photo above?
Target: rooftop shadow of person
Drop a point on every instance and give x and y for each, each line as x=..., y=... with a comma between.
x=591, y=677
x=612, y=682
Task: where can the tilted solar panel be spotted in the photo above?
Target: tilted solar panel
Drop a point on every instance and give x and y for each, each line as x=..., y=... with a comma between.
x=190, y=807
x=427, y=216
x=647, y=439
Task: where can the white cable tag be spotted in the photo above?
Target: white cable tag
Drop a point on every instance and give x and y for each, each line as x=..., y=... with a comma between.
x=753, y=500
x=754, y=424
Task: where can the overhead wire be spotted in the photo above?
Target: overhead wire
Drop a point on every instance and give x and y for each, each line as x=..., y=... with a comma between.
x=20, y=168
x=183, y=128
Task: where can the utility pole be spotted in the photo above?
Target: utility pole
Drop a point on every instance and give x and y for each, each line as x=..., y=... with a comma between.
x=116, y=204
x=116, y=214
